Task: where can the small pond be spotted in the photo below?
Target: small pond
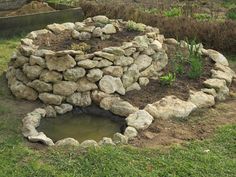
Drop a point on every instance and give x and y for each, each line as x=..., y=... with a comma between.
x=82, y=125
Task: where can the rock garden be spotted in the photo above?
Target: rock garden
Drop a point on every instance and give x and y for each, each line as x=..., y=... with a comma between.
x=126, y=68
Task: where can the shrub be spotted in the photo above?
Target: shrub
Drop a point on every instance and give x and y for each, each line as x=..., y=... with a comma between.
x=133, y=26
x=231, y=14
x=174, y=12
x=202, y=16
x=81, y=46
x=168, y=79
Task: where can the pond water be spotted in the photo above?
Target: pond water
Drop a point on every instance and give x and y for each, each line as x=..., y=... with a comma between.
x=81, y=126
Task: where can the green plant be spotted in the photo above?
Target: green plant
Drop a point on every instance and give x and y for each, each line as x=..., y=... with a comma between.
x=231, y=14
x=81, y=46
x=133, y=26
x=168, y=79
x=195, y=60
x=173, y=12
x=202, y=16
x=152, y=10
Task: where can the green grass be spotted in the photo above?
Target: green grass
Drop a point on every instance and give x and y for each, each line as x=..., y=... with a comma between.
x=6, y=49
x=212, y=158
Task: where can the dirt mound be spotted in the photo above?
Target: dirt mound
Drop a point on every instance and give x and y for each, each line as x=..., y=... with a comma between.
x=31, y=8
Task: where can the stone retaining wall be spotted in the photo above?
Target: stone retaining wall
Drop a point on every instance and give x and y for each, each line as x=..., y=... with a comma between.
x=11, y=4
x=68, y=78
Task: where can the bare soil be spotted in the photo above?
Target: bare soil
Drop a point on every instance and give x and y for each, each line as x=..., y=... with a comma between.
x=31, y=8
x=64, y=41
x=155, y=91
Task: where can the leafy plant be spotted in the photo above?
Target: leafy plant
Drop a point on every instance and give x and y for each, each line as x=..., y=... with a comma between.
x=196, y=65
x=81, y=46
x=231, y=14
x=202, y=16
x=168, y=79
x=173, y=12
x=133, y=26
x=152, y=10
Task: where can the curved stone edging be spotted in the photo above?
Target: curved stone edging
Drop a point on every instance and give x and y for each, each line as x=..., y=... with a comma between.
x=68, y=78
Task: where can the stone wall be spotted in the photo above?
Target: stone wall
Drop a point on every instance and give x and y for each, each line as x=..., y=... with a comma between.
x=11, y=4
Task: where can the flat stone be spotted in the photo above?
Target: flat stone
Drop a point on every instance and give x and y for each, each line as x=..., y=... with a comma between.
x=140, y=120
x=221, y=75
x=89, y=144
x=101, y=19
x=124, y=61
x=109, y=29
x=40, y=86
x=143, y=61
x=122, y=108
x=107, y=101
x=108, y=56
x=104, y=63
x=217, y=57
x=35, y=34
x=34, y=60
x=114, y=50
x=88, y=64
x=32, y=72
x=115, y=71
x=60, y=63
x=50, y=76
x=56, y=28
x=170, y=107
x=64, y=88
x=51, y=99
x=85, y=85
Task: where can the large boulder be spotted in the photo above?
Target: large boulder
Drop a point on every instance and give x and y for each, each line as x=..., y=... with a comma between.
x=170, y=107
x=80, y=99
x=201, y=99
x=140, y=120
x=51, y=99
x=64, y=88
x=40, y=86
x=60, y=63
x=109, y=84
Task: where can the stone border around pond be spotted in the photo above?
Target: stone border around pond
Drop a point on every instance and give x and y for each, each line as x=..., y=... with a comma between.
x=68, y=78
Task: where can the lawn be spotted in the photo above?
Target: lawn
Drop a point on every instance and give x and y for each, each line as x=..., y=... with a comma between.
x=214, y=157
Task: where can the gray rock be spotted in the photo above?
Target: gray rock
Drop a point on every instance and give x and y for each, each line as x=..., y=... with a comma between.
x=41, y=137
x=83, y=36
x=104, y=63
x=124, y=61
x=217, y=57
x=56, y=28
x=74, y=74
x=170, y=107
x=34, y=60
x=67, y=142
x=134, y=86
x=85, y=85
x=221, y=75
x=142, y=42
x=40, y=86
x=101, y=19
x=50, y=76
x=106, y=141
x=209, y=91
x=86, y=29
x=50, y=112
x=131, y=133
x=89, y=144
x=97, y=32
x=35, y=34
x=97, y=96
x=88, y=64
x=43, y=52
x=63, y=108
x=109, y=84
x=130, y=51
x=143, y=81
x=61, y=63
x=201, y=99
x=114, y=50
x=109, y=29
x=20, y=61
x=69, y=26
x=140, y=120
x=108, y=56
x=120, y=139
x=51, y=99
x=64, y=88
x=21, y=76
x=107, y=101
x=142, y=62
x=115, y=71
x=26, y=50
x=22, y=91
x=94, y=75
x=156, y=45
x=225, y=69
x=32, y=72
x=122, y=108
x=80, y=99
x=130, y=76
